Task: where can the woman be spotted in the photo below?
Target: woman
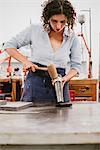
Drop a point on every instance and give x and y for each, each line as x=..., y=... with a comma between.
x=53, y=41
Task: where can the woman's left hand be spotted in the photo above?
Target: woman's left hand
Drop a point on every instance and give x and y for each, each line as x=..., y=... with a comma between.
x=61, y=79
x=64, y=80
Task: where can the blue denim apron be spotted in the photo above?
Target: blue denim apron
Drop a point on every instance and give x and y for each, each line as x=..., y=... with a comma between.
x=38, y=87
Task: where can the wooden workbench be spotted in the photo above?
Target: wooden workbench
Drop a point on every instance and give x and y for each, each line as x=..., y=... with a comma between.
x=85, y=89
x=14, y=82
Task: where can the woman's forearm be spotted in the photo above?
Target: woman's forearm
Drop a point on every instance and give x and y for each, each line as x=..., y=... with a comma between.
x=72, y=73
x=18, y=56
x=15, y=54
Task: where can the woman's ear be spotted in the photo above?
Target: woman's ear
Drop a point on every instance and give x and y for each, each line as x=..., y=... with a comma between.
x=49, y=21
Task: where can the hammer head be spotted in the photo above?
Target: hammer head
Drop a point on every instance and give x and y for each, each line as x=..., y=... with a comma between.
x=52, y=71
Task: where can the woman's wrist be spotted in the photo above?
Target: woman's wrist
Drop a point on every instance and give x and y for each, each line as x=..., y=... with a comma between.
x=67, y=78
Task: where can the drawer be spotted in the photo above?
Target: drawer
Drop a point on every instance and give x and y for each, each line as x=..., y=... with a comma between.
x=81, y=90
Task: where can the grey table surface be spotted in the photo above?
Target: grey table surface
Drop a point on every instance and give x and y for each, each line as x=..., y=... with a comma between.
x=51, y=125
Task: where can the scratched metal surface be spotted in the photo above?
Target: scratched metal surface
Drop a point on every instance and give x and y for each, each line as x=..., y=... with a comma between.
x=51, y=125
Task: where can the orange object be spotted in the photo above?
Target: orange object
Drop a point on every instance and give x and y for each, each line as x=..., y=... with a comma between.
x=0, y=91
x=72, y=95
x=89, y=53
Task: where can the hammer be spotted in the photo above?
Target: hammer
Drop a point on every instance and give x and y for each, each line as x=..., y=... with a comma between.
x=58, y=86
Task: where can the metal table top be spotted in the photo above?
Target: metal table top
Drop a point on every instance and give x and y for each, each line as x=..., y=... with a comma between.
x=78, y=124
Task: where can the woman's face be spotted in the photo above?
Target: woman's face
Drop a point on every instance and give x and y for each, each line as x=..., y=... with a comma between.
x=58, y=22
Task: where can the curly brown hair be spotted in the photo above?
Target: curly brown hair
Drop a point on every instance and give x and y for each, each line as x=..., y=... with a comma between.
x=55, y=7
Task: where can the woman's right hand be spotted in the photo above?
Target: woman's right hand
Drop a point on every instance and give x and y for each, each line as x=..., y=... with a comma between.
x=28, y=65
x=57, y=79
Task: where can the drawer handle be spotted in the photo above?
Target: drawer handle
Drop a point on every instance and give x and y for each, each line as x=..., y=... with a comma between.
x=84, y=89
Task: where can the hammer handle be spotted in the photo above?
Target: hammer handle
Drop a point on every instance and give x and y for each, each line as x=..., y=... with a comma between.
x=42, y=68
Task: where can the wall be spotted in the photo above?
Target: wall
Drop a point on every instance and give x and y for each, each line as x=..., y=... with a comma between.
x=16, y=15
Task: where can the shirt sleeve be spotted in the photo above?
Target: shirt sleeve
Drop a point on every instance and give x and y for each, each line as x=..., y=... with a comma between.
x=76, y=55
x=21, y=39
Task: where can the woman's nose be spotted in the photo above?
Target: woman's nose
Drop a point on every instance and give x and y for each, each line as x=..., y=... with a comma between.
x=58, y=25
